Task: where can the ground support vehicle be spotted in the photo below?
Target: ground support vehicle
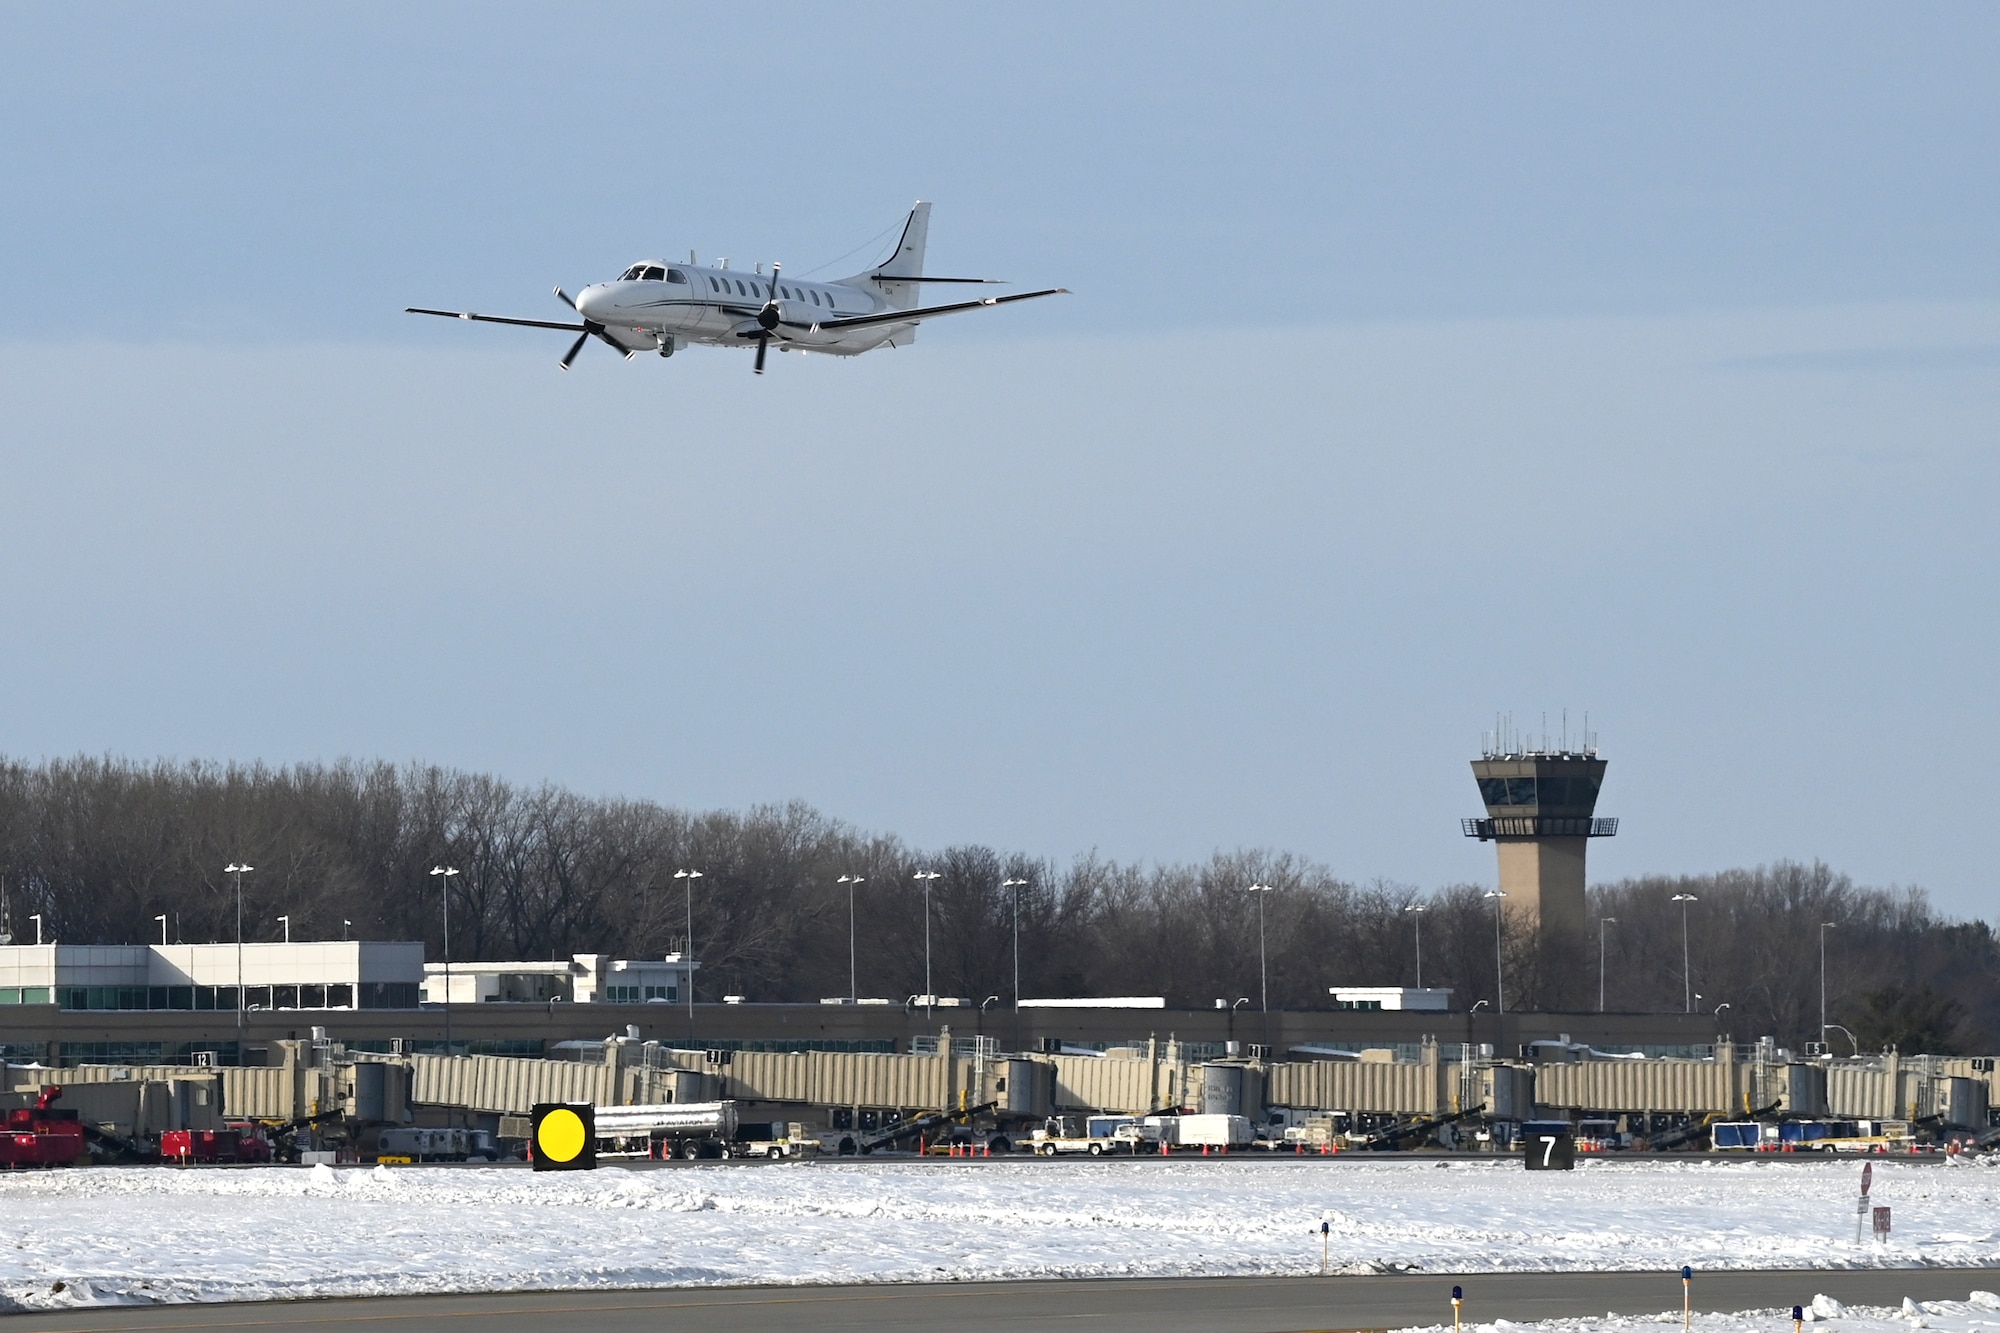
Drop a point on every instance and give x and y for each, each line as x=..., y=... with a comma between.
x=959, y=1121
x=1816, y=1136
x=1415, y=1130
x=1094, y=1136
x=185, y=1147
x=1200, y=1133
x=772, y=1139
x=687, y=1130
x=441, y=1143
x=41, y=1135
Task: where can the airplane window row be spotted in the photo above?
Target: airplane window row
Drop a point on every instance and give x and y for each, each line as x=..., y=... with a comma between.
x=789, y=293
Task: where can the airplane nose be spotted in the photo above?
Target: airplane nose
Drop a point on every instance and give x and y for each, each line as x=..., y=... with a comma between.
x=592, y=303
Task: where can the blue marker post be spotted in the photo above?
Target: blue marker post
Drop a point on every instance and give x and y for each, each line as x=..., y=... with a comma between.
x=1457, y=1299
x=1798, y=1319
x=1325, y=1244
x=1687, y=1297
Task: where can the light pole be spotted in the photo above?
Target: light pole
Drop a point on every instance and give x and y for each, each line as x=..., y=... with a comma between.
x=1263, y=974
x=927, y=878
x=162, y=919
x=1419, y=909
x=37, y=919
x=1602, y=922
x=1499, y=968
x=345, y=926
x=1016, y=885
x=238, y=870
x=853, y=986
x=689, y=876
x=1824, y=927
x=1720, y=1007
x=285, y=919
x=445, y=873
x=1687, y=975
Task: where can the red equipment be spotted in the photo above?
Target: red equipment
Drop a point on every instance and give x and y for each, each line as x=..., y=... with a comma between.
x=41, y=1135
x=198, y=1145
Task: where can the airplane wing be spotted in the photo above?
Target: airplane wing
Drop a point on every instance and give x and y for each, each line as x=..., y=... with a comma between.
x=928, y=312
x=498, y=319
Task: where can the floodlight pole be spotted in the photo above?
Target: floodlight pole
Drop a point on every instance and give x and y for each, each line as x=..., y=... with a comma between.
x=928, y=877
x=689, y=876
x=853, y=972
x=1499, y=966
x=1824, y=927
x=238, y=870
x=1419, y=909
x=1601, y=923
x=1016, y=885
x=1263, y=972
x=447, y=872
x=1687, y=973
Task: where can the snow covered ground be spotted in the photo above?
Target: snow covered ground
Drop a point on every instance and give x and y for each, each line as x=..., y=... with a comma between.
x=168, y=1234
x=1980, y=1313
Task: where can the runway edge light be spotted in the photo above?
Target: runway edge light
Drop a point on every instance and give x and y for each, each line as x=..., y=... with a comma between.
x=563, y=1136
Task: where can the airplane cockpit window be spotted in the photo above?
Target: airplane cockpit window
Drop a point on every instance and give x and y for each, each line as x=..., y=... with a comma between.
x=654, y=273
x=675, y=275
x=633, y=274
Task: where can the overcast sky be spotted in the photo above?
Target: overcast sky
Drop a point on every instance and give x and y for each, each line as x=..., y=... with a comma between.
x=1423, y=363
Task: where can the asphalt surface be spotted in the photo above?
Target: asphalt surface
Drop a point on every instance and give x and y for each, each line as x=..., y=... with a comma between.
x=1211, y=1305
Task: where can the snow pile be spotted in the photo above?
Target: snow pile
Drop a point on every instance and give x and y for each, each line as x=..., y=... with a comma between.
x=84, y=1237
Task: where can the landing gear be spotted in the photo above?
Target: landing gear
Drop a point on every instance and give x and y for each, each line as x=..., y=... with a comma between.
x=666, y=341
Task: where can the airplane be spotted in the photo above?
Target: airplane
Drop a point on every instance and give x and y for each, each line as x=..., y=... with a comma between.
x=658, y=306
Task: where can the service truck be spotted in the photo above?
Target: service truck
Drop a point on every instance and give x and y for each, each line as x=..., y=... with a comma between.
x=671, y=1129
x=1183, y=1133
x=1095, y=1135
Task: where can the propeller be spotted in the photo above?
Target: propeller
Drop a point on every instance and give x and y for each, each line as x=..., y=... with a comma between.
x=591, y=329
x=768, y=319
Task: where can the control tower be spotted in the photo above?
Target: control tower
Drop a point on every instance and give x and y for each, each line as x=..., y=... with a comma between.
x=1540, y=808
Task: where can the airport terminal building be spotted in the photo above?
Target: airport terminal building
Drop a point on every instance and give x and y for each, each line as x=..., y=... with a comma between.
x=329, y=974
x=333, y=974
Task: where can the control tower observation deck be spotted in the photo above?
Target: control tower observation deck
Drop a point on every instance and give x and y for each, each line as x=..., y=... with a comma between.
x=1540, y=813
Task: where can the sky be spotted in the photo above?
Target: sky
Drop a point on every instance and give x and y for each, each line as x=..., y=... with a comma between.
x=1423, y=364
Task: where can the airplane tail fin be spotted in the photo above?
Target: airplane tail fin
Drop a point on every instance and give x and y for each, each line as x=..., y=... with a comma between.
x=906, y=262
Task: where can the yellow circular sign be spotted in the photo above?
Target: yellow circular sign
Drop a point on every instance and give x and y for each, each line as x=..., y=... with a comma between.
x=559, y=1137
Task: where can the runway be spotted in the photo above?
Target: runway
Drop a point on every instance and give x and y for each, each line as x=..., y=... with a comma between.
x=1210, y=1305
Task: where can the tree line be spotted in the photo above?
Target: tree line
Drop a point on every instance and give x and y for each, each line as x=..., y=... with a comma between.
x=101, y=847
